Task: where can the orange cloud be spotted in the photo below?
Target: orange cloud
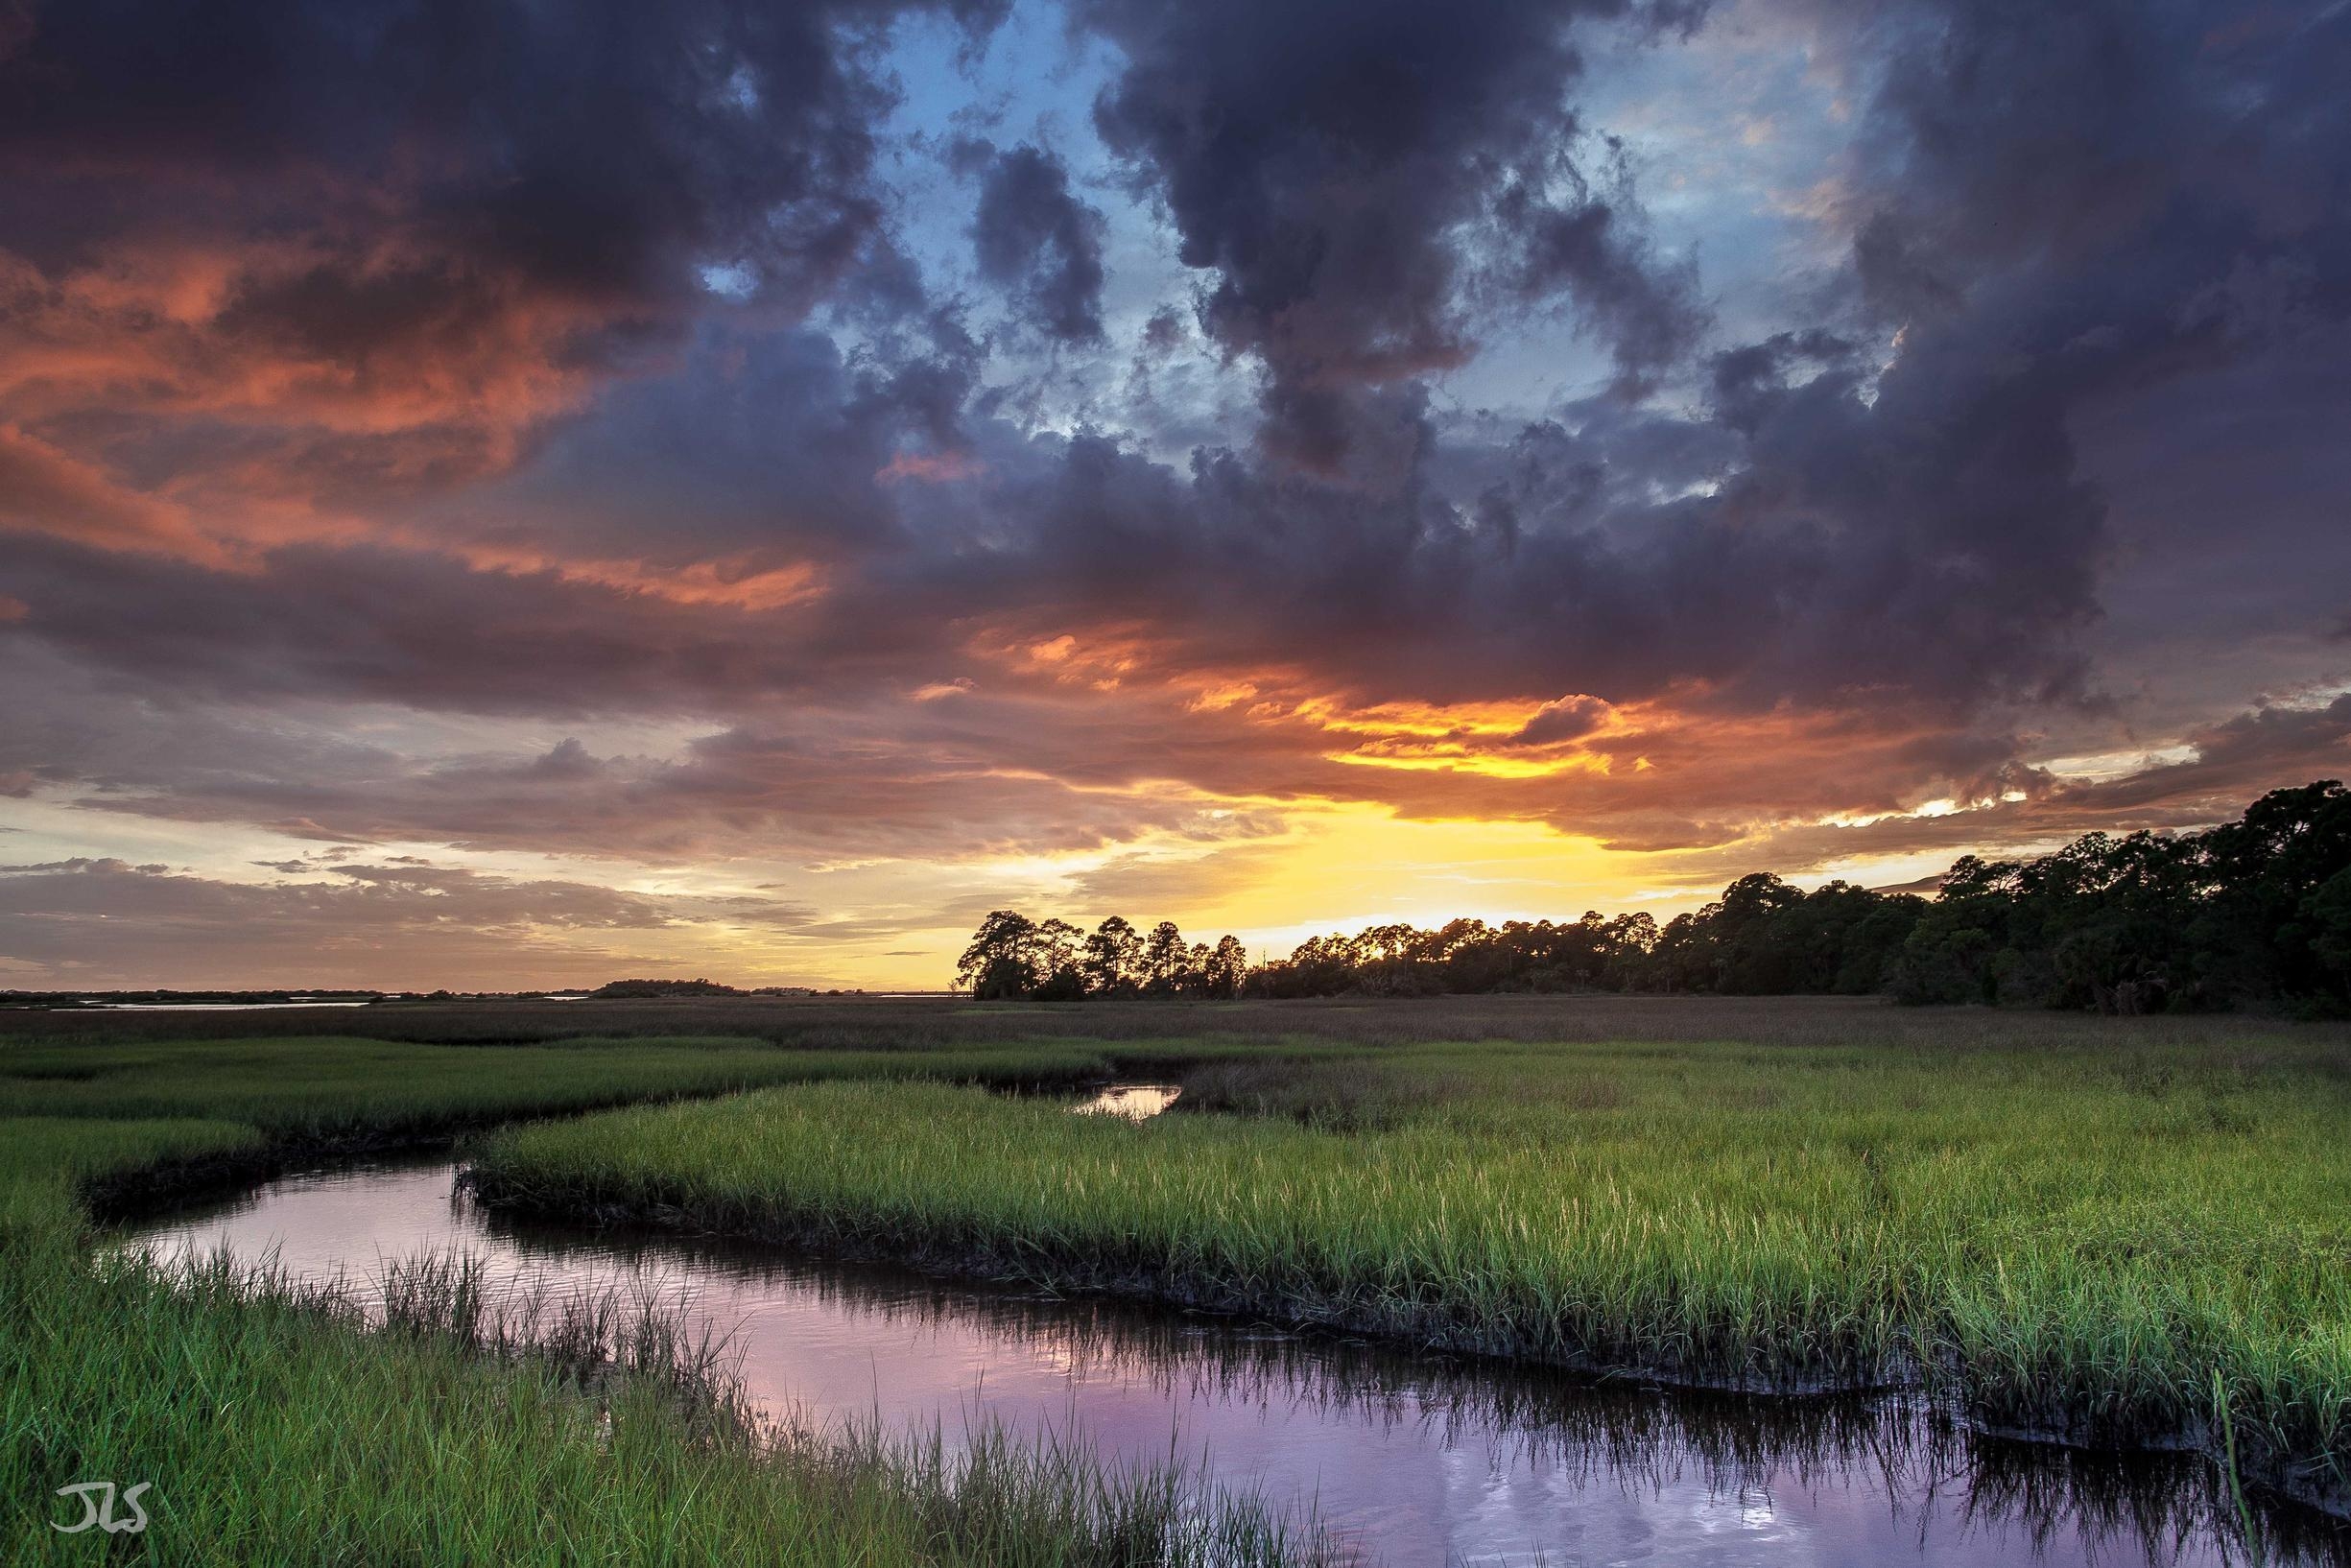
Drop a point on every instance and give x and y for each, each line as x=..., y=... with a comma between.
x=335, y=333
x=737, y=583
x=44, y=490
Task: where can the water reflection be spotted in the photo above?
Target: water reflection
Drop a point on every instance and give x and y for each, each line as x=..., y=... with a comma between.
x=1135, y=1102
x=94, y=1004
x=1418, y=1459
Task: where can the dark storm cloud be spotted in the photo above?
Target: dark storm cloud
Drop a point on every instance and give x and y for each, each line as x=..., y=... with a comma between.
x=2115, y=195
x=1569, y=719
x=763, y=451
x=352, y=290
x=1037, y=240
x=2122, y=211
x=1590, y=250
x=1818, y=531
x=409, y=228
x=1164, y=332
x=1615, y=558
x=1924, y=529
x=365, y=623
x=604, y=149
x=1328, y=164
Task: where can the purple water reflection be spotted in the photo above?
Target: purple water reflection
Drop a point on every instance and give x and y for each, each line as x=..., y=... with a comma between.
x=1420, y=1460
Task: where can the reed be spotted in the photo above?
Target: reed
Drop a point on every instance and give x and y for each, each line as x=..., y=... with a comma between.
x=275, y=1429
x=344, y=1090
x=432, y=1420
x=2109, y=1234
x=2066, y=1242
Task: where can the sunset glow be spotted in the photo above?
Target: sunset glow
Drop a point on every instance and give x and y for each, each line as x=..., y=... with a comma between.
x=511, y=505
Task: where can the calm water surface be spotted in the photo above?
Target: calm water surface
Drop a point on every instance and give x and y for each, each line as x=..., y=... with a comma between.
x=211, y=1007
x=1415, y=1459
x=1135, y=1102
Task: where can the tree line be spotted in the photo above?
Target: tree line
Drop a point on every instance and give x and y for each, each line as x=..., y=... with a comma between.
x=2253, y=912
x=1053, y=961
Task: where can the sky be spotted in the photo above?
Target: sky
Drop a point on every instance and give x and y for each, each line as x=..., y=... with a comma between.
x=498, y=495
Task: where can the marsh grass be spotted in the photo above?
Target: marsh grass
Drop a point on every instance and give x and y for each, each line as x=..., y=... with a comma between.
x=2066, y=1244
x=1186, y=1028
x=1605, y=1436
x=348, y=1090
x=432, y=1418
x=277, y=1429
x=2058, y=1227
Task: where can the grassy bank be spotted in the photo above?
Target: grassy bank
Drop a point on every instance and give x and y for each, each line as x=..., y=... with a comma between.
x=302, y=1098
x=901, y=1025
x=331, y=1088
x=276, y=1427
x=2072, y=1239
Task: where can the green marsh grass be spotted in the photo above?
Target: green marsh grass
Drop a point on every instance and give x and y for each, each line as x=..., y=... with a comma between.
x=2065, y=1226
x=277, y=1429
x=2069, y=1242
x=335, y=1087
x=284, y=1423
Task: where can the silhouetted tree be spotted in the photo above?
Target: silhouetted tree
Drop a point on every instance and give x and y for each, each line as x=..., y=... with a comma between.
x=1114, y=960
x=1062, y=977
x=1167, y=961
x=1003, y=958
x=1224, y=968
x=626, y=989
x=2253, y=912
x=2279, y=885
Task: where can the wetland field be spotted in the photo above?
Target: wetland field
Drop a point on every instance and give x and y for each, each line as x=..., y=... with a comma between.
x=814, y=1282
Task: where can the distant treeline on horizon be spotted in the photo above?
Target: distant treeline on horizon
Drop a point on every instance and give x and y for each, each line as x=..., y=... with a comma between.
x=2254, y=912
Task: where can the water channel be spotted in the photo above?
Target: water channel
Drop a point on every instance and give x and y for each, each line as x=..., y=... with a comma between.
x=1410, y=1459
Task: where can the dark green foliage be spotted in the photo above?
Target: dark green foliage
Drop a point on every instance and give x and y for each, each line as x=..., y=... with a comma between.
x=641, y=989
x=1052, y=960
x=2253, y=912
x=1467, y=957
x=1764, y=937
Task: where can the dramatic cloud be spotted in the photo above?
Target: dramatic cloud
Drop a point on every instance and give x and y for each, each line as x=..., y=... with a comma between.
x=1569, y=719
x=838, y=462
x=379, y=241
x=1334, y=165
x=1035, y=239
